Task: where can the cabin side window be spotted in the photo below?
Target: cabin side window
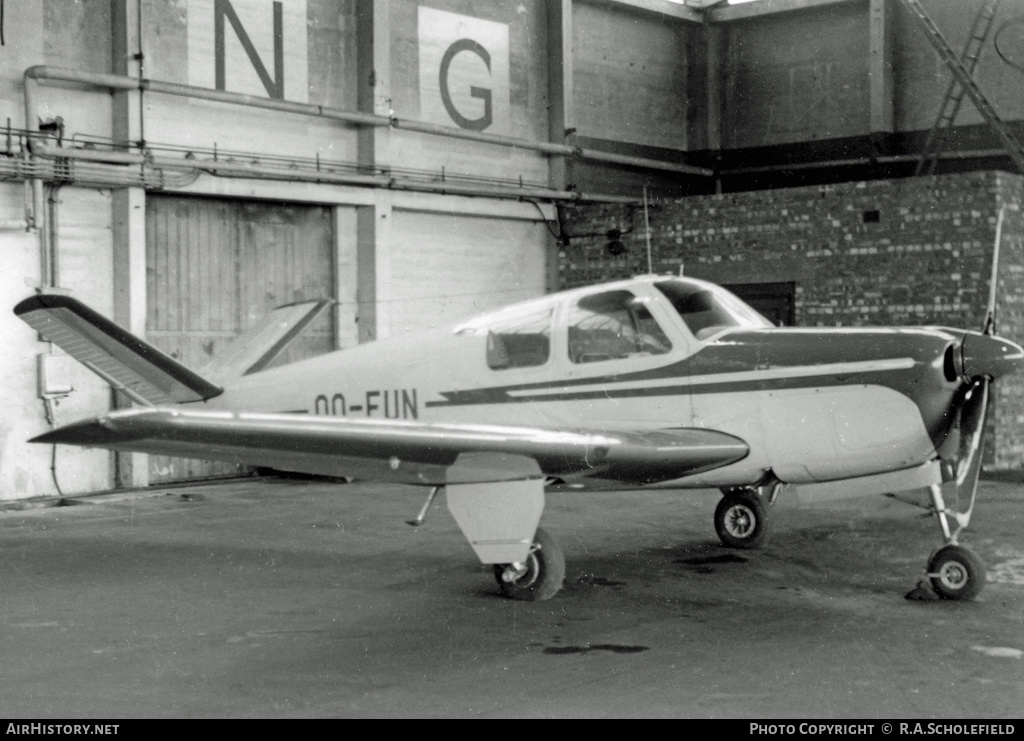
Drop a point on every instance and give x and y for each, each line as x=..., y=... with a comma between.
x=520, y=341
x=611, y=326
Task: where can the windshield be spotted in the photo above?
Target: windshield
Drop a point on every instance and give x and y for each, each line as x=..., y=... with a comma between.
x=708, y=309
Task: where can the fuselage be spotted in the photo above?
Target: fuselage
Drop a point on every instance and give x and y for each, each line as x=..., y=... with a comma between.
x=655, y=353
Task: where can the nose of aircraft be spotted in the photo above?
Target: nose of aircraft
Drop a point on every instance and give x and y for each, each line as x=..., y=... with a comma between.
x=987, y=355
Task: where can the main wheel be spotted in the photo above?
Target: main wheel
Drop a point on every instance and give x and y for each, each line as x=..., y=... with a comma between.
x=540, y=576
x=740, y=519
x=956, y=572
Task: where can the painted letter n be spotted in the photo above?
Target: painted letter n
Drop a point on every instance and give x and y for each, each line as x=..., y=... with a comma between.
x=275, y=86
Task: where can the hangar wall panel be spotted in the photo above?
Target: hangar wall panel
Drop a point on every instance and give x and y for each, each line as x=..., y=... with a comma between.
x=316, y=57
x=915, y=251
x=921, y=79
x=496, y=84
x=527, y=64
x=630, y=75
x=83, y=223
x=214, y=267
x=61, y=33
x=790, y=80
x=803, y=76
x=447, y=267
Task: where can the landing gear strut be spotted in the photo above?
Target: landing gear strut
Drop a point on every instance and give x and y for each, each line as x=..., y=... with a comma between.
x=539, y=577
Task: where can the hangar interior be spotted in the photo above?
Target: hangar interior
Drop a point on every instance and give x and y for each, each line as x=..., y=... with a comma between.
x=183, y=167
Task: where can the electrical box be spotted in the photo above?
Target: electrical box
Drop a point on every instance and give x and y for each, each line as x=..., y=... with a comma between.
x=54, y=375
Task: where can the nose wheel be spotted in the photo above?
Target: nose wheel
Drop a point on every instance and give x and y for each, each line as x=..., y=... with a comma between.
x=956, y=572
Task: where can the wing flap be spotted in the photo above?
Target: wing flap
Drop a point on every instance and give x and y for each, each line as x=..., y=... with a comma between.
x=126, y=362
x=412, y=452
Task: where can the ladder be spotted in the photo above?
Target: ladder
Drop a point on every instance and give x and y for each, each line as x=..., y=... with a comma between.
x=955, y=92
x=962, y=76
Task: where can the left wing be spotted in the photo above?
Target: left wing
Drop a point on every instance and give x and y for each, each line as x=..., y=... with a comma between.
x=400, y=451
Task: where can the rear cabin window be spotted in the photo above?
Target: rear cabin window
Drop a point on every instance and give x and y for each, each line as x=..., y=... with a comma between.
x=520, y=341
x=611, y=326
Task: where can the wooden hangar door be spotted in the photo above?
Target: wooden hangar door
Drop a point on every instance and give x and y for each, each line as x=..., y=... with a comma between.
x=213, y=267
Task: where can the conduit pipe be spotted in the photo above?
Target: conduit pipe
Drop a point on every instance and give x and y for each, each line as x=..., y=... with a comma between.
x=355, y=118
x=249, y=169
x=891, y=159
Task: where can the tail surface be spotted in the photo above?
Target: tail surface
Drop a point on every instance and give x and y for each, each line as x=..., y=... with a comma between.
x=129, y=364
x=261, y=344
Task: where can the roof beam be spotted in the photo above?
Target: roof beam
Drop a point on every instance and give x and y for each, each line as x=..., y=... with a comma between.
x=721, y=13
x=659, y=7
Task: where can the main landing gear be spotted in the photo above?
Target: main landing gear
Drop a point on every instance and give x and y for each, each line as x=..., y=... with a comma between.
x=539, y=577
x=741, y=517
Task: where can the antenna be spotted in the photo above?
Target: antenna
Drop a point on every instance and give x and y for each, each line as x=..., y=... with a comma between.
x=647, y=234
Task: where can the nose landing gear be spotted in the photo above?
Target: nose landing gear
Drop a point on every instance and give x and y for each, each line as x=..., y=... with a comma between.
x=956, y=572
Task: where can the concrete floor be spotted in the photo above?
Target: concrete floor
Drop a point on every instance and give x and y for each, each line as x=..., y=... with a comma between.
x=278, y=598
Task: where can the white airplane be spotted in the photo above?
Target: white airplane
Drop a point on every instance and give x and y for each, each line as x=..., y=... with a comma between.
x=654, y=382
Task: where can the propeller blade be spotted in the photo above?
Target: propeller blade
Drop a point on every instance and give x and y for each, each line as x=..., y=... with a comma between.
x=989, y=325
x=972, y=435
x=963, y=485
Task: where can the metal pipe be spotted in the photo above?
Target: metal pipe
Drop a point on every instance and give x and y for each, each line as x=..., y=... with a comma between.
x=142, y=69
x=892, y=159
x=118, y=82
x=253, y=101
x=90, y=155
x=626, y=159
x=422, y=127
x=248, y=169
x=53, y=252
x=121, y=82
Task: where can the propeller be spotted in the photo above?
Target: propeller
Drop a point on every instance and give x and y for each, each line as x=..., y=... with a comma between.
x=978, y=359
x=955, y=571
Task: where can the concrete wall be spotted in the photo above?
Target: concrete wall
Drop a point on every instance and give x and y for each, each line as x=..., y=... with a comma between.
x=921, y=79
x=630, y=75
x=796, y=76
x=802, y=76
x=927, y=260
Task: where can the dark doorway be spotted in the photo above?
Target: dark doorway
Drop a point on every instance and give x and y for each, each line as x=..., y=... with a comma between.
x=776, y=301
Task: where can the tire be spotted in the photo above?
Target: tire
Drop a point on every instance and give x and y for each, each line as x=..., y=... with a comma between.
x=545, y=571
x=741, y=519
x=956, y=572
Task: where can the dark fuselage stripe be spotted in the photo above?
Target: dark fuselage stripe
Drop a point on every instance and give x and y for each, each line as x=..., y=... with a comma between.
x=501, y=396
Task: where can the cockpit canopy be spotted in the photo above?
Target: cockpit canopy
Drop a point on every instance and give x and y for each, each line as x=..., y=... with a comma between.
x=611, y=322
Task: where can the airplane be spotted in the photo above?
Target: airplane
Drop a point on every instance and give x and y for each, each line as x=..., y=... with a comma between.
x=662, y=382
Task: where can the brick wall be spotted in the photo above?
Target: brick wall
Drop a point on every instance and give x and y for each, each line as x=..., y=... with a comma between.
x=890, y=252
